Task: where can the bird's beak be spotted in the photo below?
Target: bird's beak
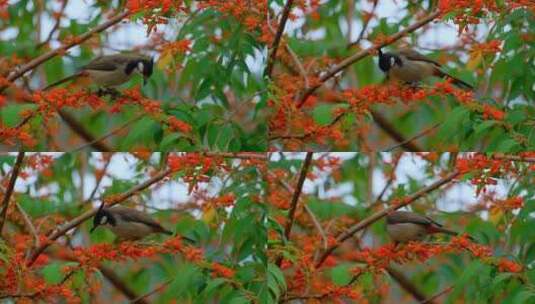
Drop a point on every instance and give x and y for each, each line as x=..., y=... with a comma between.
x=93, y=229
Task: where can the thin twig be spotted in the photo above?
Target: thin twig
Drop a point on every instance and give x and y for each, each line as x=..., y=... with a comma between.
x=239, y=155
x=99, y=180
x=56, y=25
x=150, y=293
x=386, y=126
x=364, y=27
x=315, y=221
x=415, y=137
x=9, y=189
x=61, y=50
x=438, y=295
x=278, y=37
x=83, y=132
x=81, y=218
x=380, y=214
x=102, y=138
x=519, y=158
x=29, y=225
x=362, y=54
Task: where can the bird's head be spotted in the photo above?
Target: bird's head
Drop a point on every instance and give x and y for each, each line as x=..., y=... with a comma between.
x=102, y=217
x=387, y=60
x=141, y=64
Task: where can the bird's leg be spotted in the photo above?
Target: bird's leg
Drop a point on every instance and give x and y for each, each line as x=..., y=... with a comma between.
x=414, y=85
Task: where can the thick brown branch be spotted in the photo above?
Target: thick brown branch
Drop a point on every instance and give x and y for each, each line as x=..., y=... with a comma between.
x=296, y=194
x=278, y=37
x=406, y=284
x=79, y=129
x=380, y=214
x=81, y=218
x=116, y=281
x=9, y=189
x=362, y=54
x=386, y=126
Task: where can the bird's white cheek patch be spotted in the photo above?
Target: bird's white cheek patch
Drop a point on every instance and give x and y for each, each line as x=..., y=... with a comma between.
x=392, y=61
x=140, y=67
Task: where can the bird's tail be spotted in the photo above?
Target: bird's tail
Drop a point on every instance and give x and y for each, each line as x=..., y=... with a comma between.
x=61, y=81
x=456, y=81
x=168, y=232
x=439, y=229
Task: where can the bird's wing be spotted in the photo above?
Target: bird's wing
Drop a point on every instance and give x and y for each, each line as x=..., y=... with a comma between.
x=133, y=215
x=399, y=217
x=413, y=55
x=104, y=63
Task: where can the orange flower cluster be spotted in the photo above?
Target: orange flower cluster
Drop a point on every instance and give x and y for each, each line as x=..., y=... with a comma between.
x=221, y=271
x=508, y=204
x=154, y=11
x=21, y=282
x=490, y=47
x=490, y=112
x=195, y=167
x=178, y=125
x=252, y=14
x=467, y=11
x=379, y=258
x=505, y=265
x=225, y=200
x=92, y=256
x=10, y=136
x=484, y=170
x=176, y=47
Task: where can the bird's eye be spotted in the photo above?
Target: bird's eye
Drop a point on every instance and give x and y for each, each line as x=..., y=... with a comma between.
x=392, y=61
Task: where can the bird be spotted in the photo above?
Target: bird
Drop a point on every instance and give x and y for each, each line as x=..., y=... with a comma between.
x=405, y=226
x=112, y=70
x=128, y=224
x=409, y=66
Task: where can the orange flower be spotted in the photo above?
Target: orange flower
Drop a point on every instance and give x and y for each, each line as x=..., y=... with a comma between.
x=504, y=265
x=178, y=125
x=222, y=271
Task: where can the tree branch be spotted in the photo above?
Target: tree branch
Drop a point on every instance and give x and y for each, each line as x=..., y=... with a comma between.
x=438, y=295
x=81, y=218
x=83, y=132
x=297, y=193
x=295, y=198
x=278, y=37
x=360, y=55
x=380, y=214
x=47, y=56
x=406, y=284
x=116, y=281
x=386, y=126
x=9, y=190
x=240, y=155
x=415, y=137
